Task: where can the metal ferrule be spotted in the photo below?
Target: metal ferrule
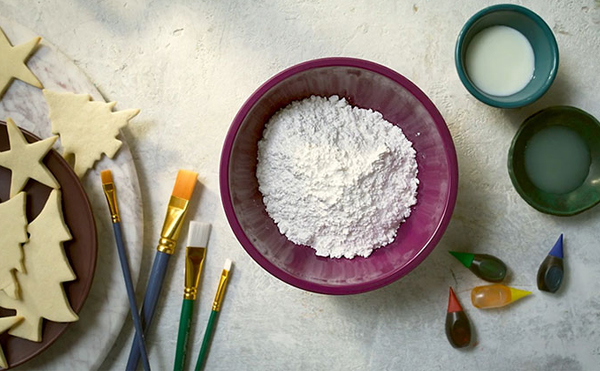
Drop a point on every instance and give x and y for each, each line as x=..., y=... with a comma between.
x=111, y=197
x=172, y=226
x=194, y=261
x=220, y=291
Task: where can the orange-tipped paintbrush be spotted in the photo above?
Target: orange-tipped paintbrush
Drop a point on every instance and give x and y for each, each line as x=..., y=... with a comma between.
x=178, y=205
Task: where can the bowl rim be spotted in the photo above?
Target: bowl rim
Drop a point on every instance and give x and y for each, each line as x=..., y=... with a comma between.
x=449, y=150
x=463, y=75
x=515, y=179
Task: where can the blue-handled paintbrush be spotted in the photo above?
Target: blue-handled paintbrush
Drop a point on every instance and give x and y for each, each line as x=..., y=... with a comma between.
x=178, y=206
x=110, y=191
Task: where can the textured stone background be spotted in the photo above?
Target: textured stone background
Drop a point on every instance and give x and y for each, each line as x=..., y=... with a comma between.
x=189, y=65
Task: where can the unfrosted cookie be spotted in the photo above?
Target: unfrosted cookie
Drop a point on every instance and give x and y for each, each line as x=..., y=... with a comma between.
x=24, y=159
x=87, y=129
x=13, y=233
x=42, y=293
x=5, y=324
x=12, y=63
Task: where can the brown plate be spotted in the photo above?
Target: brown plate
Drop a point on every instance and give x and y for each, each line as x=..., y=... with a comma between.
x=81, y=250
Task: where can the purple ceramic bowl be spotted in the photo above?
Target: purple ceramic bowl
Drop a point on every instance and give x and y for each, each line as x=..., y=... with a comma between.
x=367, y=85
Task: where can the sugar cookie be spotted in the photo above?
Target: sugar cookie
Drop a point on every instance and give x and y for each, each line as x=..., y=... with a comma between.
x=13, y=233
x=5, y=324
x=12, y=63
x=25, y=160
x=42, y=293
x=87, y=129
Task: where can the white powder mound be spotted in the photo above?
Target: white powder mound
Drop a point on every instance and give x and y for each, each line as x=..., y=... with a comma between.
x=338, y=178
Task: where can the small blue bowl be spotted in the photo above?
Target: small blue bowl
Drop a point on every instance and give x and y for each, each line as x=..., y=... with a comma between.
x=534, y=29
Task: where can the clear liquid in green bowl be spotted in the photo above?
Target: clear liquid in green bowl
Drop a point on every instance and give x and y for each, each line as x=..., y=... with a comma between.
x=557, y=159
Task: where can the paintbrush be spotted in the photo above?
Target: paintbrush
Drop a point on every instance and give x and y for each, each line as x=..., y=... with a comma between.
x=194, y=259
x=110, y=191
x=178, y=206
x=212, y=321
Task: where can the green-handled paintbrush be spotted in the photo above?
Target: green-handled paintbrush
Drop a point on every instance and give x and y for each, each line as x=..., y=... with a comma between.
x=194, y=259
x=212, y=321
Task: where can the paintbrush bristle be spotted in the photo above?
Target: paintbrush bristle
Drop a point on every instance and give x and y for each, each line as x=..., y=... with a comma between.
x=227, y=266
x=198, y=234
x=106, y=176
x=184, y=184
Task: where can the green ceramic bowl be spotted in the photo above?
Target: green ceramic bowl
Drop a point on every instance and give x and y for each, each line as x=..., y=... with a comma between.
x=540, y=37
x=571, y=203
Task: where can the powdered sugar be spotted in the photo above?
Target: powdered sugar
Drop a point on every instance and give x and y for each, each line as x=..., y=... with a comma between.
x=338, y=178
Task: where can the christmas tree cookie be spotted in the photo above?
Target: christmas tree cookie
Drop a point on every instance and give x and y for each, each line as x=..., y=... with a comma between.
x=12, y=63
x=47, y=267
x=13, y=233
x=87, y=129
x=5, y=324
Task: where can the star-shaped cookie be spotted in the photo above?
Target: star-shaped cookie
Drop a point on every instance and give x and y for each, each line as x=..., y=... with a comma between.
x=12, y=63
x=25, y=160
